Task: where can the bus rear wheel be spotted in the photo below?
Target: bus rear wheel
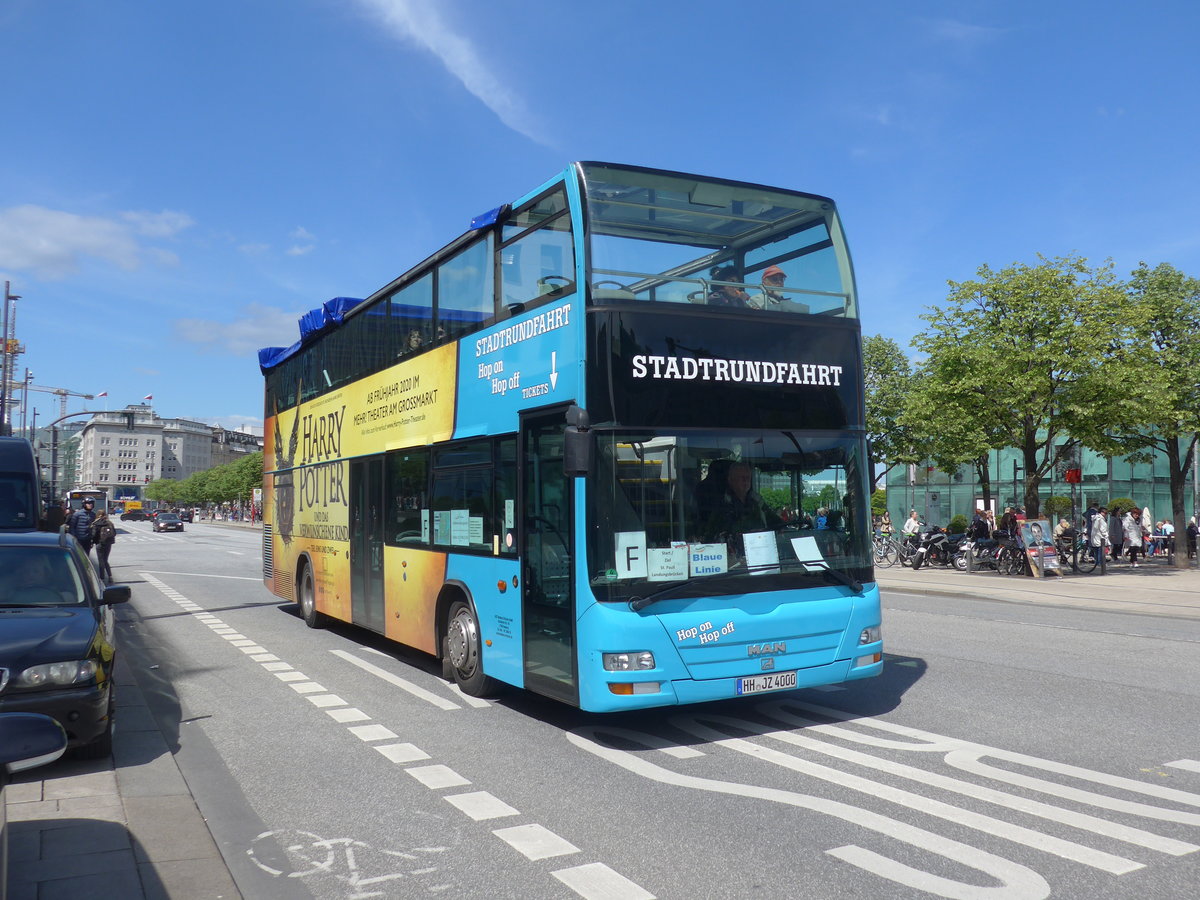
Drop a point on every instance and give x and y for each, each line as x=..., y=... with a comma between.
x=306, y=599
x=461, y=648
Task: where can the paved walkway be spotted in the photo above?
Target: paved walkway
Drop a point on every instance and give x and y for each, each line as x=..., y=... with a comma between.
x=123, y=828
x=1154, y=588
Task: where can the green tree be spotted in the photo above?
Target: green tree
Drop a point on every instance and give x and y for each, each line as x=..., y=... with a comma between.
x=878, y=502
x=1154, y=356
x=887, y=375
x=1008, y=359
x=1057, y=507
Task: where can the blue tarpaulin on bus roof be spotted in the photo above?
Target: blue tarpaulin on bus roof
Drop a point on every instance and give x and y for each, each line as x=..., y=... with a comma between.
x=312, y=323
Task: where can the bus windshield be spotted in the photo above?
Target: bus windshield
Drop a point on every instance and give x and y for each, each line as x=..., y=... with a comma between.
x=667, y=238
x=701, y=506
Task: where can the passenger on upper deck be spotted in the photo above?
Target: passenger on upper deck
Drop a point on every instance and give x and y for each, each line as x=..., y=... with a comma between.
x=773, y=278
x=725, y=294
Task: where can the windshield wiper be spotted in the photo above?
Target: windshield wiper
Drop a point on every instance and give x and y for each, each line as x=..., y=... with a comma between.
x=642, y=602
x=832, y=574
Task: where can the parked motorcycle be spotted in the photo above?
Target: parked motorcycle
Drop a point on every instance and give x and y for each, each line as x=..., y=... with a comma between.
x=931, y=547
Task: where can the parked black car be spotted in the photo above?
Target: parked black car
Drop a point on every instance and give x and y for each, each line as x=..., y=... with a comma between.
x=26, y=740
x=56, y=637
x=185, y=515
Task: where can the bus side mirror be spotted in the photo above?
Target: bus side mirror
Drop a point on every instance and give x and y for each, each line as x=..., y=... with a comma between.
x=577, y=452
x=577, y=443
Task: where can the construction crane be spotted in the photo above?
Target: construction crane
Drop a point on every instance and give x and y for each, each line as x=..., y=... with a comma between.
x=63, y=393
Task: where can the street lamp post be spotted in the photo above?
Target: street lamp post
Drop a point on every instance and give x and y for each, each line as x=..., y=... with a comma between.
x=9, y=299
x=25, y=400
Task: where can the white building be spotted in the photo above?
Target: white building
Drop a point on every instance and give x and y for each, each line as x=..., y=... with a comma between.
x=124, y=450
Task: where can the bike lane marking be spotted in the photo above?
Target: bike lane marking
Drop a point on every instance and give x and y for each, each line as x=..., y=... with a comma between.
x=594, y=881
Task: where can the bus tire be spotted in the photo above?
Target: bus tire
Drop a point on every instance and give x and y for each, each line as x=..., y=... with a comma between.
x=306, y=598
x=461, y=648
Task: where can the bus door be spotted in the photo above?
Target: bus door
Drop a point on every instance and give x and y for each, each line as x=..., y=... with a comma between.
x=366, y=542
x=547, y=597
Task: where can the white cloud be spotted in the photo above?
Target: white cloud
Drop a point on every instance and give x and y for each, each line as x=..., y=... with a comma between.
x=254, y=249
x=298, y=250
x=53, y=243
x=421, y=23
x=261, y=326
x=963, y=32
x=302, y=234
x=162, y=224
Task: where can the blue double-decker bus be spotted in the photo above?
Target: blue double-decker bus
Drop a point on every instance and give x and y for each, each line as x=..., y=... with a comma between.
x=607, y=445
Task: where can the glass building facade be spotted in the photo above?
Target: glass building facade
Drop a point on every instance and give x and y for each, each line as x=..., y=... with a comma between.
x=938, y=496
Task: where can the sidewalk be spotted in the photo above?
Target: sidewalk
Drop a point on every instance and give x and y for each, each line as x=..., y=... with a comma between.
x=125, y=827
x=1154, y=588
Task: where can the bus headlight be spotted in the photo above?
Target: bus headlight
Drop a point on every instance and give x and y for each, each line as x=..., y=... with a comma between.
x=628, y=662
x=871, y=635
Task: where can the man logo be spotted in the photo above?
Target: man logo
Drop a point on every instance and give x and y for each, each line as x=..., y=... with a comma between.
x=760, y=649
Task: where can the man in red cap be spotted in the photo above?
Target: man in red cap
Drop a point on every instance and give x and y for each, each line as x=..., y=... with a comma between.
x=773, y=278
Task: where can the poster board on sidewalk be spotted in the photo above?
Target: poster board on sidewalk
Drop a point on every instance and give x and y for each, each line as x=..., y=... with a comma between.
x=1037, y=539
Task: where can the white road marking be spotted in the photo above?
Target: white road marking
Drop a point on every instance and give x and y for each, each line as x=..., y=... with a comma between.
x=308, y=687
x=597, y=881
x=347, y=714
x=481, y=805
x=1189, y=765
x=402, y=753
x=415, y=690
x=205, y=575
x=1072, y=818
x=437, y=777
x=321, y=701
x=476, y=702
x=535, y=841
x=1028, y=837
x=371, y=732
x=1018, y=882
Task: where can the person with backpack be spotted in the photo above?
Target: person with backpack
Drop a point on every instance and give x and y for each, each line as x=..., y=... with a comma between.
x=79, y=525
x=104, y=534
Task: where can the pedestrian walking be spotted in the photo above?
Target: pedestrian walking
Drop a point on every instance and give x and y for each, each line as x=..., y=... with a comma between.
x=104, y=534
x=80, y=524
x=1099, y=538
x=1116, y=532
x=1133, y=535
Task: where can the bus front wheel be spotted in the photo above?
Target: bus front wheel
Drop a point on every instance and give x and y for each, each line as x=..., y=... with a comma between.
x=462, y=650
x=306, y=598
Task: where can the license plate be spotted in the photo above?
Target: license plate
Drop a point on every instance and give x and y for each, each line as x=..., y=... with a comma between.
x=775, y=681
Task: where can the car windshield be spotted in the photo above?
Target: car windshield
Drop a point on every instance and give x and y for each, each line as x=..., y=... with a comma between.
x=39, y=576
x=697, y=509
x=168, y=517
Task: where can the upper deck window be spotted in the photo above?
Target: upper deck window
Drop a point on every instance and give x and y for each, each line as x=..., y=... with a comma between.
x=537, y=255
x=669, y=238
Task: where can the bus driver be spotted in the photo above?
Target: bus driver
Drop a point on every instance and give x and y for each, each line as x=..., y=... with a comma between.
x=740, y=509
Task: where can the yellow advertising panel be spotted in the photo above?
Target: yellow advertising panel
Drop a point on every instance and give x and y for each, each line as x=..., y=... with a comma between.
x=305, y=455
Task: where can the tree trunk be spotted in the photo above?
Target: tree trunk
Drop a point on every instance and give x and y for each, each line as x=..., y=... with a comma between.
x=1180, y=469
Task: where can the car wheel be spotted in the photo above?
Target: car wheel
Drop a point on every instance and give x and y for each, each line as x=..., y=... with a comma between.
x=461, y=647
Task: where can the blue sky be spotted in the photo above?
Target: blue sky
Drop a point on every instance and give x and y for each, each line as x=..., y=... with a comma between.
x=180, y=181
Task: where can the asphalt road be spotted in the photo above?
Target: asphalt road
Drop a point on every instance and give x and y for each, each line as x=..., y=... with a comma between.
x=1007, y=752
